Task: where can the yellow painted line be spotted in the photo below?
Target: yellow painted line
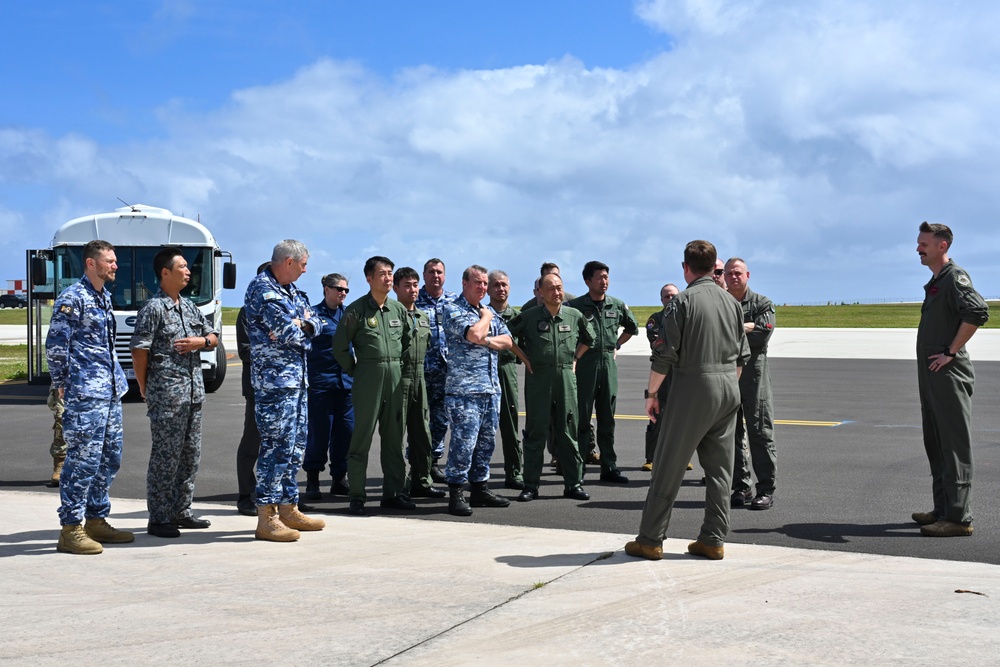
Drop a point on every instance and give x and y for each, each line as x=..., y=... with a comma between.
x=786, y=422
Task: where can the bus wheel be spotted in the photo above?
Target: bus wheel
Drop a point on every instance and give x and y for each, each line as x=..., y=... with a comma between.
x=213, y=385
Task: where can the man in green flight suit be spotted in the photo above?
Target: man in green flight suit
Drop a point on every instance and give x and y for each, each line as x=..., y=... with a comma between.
x=705, y=348
x=653, y=327
x=952, y=312
x=553, y=337
x=756, y=400
x=406, y=285
x=513, y=459
x=378, y=327
x=597, y=370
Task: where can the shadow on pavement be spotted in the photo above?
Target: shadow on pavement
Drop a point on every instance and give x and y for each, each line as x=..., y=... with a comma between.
x=836, y=533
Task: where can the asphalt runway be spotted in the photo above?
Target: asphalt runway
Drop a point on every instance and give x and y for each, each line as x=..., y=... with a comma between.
x=851, y=466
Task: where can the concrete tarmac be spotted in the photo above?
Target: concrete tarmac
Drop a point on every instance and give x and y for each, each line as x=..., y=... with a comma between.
x=393, y=591
x=385, y=590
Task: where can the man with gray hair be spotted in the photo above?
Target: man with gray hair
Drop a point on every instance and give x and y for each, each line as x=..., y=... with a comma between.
x=756, y=407
x=281, y=325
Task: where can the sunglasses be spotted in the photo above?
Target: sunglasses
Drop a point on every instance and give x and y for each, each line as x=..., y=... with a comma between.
x=719, y=272
x=342, y=290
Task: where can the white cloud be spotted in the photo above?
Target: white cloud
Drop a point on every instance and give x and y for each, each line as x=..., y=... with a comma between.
x=808, y=138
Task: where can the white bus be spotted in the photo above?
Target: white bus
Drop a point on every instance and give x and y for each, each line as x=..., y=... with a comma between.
x=137, y=233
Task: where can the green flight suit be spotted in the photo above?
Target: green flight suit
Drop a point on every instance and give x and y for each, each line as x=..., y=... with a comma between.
x=378, y=335
x=946, y=394
x=550, y=395
x=416, y=419
x=756, y=403
x=653, y=331
x=705, y=342
x=513, y=458
x=597, y=373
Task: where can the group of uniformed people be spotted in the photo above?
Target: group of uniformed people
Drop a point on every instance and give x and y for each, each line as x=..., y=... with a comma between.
x=392, y=364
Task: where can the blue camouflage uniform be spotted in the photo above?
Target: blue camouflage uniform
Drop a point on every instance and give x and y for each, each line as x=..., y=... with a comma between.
x=331, y=412
x=175, y=393
x=472, y=394
x=278, y=375
x=80, y=350
x=436, y=366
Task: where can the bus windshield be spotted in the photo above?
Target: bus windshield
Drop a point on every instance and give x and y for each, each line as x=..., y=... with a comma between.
x=135, y=282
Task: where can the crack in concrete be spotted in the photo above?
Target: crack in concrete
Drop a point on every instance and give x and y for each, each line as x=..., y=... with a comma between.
x=601, y=556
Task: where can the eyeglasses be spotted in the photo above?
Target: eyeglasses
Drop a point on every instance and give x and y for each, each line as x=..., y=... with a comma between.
x=719, y=272
x=342, y=290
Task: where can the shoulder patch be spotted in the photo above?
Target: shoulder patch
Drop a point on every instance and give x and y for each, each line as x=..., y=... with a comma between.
x=66, y=308
x=454, y=313
x=372, y=322
x=963, y=280
x=270, y=296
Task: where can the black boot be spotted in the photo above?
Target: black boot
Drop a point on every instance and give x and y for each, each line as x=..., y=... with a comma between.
x=481, y=496
x=456, y=503
x=312, y=485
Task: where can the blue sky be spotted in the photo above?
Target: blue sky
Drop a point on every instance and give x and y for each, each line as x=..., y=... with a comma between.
x=809, y=138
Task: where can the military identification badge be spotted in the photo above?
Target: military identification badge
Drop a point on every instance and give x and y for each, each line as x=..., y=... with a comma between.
x=564, y=328
x=543, y=325
x=372, y=322
x=395, y=323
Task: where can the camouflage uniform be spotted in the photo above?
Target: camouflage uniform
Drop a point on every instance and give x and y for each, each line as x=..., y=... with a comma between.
x=278, y=375
x=512, y=454
x=80, y=350
x=550, y=395
x=175, y=393
x=415, y=412
x=597, y=373
x=378, y=334
x=58, y=447
x=472, y=395
x=331, y=412
x=436, y=366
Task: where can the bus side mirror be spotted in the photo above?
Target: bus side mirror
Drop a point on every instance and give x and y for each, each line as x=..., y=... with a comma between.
x=39, y=275
x=229, y=275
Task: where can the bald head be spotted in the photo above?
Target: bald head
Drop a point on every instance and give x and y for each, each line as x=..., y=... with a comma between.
x=551, y=288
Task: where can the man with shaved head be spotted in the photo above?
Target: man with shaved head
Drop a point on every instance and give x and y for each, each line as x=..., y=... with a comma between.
x=756, y=401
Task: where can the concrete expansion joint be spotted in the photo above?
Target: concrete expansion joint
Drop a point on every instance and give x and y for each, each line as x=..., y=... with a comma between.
x=500, y=605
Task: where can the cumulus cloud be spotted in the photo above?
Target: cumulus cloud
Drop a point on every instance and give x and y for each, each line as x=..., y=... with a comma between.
x=809, y=138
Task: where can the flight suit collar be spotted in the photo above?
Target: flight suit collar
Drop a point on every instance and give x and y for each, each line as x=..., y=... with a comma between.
x=944, y=272
x=373, y=304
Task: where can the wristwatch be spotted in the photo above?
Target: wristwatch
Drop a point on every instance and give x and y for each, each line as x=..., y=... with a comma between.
x=646, y=394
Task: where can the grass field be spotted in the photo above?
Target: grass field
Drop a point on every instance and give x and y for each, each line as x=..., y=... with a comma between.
x=857, y=316
x=14, y=366
x=13, y=362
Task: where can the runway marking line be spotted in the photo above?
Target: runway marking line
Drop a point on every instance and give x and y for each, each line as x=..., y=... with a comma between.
x=785, y=422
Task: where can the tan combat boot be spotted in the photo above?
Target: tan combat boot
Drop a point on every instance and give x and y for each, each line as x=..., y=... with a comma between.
x=293, y=518
x=74, y=540
x=57, y=466
x=101, y=531
x=270, y=528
